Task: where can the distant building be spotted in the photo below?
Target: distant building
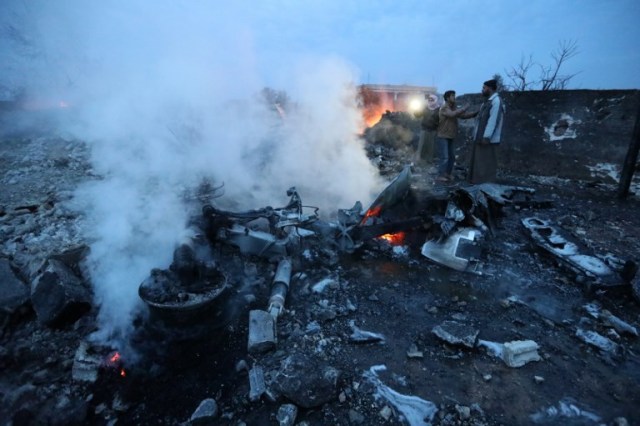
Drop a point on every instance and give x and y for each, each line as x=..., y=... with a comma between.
x=375, y=99
x=398, y=97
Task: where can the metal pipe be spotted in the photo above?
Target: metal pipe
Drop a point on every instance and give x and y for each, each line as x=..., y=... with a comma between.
x=280, y=287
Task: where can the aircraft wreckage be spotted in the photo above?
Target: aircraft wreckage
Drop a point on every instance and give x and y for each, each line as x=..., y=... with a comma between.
x=454, y=222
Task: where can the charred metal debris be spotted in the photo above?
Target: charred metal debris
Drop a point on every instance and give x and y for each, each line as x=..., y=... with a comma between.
x=450, y=223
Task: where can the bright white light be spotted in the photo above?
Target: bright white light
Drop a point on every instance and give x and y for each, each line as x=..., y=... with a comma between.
x=415, y=105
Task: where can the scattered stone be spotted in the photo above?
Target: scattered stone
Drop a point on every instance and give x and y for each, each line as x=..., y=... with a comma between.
x=13, y=292
x=362, y=336
x=464, y=412
x=597, y=340
x=262, y=337
x=307, y=381
x=257, y=386
x=287, y=414
x=373, y=298
x=342, y=397
x=413, y=352
x=119, y=405
x=320, y=286
x=619, y=325
x=206, y=412
x=620, y=421
x=386, y=412
x=351, y=307
x=85, y=366
x=457, y=334
x=635, y=288
x=58, y=295
x=241, y=366
x=433, y=310
x=355, y=417
x=487, y=377
x=538, y=379
x=520, y=352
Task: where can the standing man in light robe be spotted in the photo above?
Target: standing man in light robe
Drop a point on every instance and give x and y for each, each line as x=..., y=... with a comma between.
x=486, y=137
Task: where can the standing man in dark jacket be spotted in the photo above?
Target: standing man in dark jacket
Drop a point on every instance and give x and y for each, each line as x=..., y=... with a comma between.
x=487, y=135
x=447, y=131
x=429, y=124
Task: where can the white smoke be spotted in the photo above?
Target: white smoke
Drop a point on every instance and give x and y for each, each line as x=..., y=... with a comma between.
x=164, y=93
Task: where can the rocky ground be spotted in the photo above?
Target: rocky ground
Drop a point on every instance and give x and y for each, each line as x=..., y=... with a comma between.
x=360, y=341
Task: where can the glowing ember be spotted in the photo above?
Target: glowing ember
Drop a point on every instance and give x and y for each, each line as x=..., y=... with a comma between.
x=396, y=239
x=372, y=212
x=115, y=358
x=123, y=373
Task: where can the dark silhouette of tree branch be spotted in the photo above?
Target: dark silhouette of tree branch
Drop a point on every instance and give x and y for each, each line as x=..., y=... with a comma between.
x=519, y=74
x=550, y=77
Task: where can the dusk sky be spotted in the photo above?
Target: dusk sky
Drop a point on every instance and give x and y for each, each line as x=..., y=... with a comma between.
x=455, y=44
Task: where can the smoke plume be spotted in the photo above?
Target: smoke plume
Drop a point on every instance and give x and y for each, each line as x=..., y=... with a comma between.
x=166, y=95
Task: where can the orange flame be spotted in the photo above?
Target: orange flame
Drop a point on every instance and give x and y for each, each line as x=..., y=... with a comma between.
x=372, y=212
x=123, y=373
x=394, y=239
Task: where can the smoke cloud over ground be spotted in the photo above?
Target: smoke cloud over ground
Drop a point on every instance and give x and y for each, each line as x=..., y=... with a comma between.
x=165, y=94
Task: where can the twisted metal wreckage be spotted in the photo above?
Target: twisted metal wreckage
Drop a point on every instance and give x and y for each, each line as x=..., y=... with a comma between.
x=454, y=221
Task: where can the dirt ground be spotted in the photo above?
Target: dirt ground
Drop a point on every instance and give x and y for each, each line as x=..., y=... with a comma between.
x=522, y=294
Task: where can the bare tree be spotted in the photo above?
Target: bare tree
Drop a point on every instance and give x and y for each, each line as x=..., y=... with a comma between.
x=519, y=74
x=550, y=77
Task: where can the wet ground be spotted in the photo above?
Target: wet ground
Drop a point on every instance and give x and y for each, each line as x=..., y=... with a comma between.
x=522, y=294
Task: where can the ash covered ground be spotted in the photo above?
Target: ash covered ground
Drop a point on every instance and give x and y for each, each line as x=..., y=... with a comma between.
x=355, y=342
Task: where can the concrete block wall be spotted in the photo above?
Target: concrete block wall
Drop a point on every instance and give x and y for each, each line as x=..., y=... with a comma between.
x=575, y=134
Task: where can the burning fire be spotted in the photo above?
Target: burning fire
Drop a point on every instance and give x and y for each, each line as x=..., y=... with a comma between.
x=114, y=361
x=372, y=212
x=396, y=239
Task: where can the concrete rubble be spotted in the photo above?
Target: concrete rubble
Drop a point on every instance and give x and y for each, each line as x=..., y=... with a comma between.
x=58, y=295
x=456, y=333
x=206, y=413
x=515, y=354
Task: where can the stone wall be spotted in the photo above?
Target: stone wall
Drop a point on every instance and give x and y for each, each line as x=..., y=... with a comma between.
x=577, y=134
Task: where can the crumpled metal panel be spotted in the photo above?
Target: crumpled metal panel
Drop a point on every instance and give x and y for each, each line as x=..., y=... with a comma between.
x=258, y=243
x=573, y=254
x=459, y=251
x=392, y=194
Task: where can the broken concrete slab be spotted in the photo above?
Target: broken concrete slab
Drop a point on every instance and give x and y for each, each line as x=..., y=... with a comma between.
x=257, y=386
x=85, y=366
x=520, y=352
x=456, y=333
x=58, y=295
x=307, y=380
x=262, y=335
x=515, y=353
